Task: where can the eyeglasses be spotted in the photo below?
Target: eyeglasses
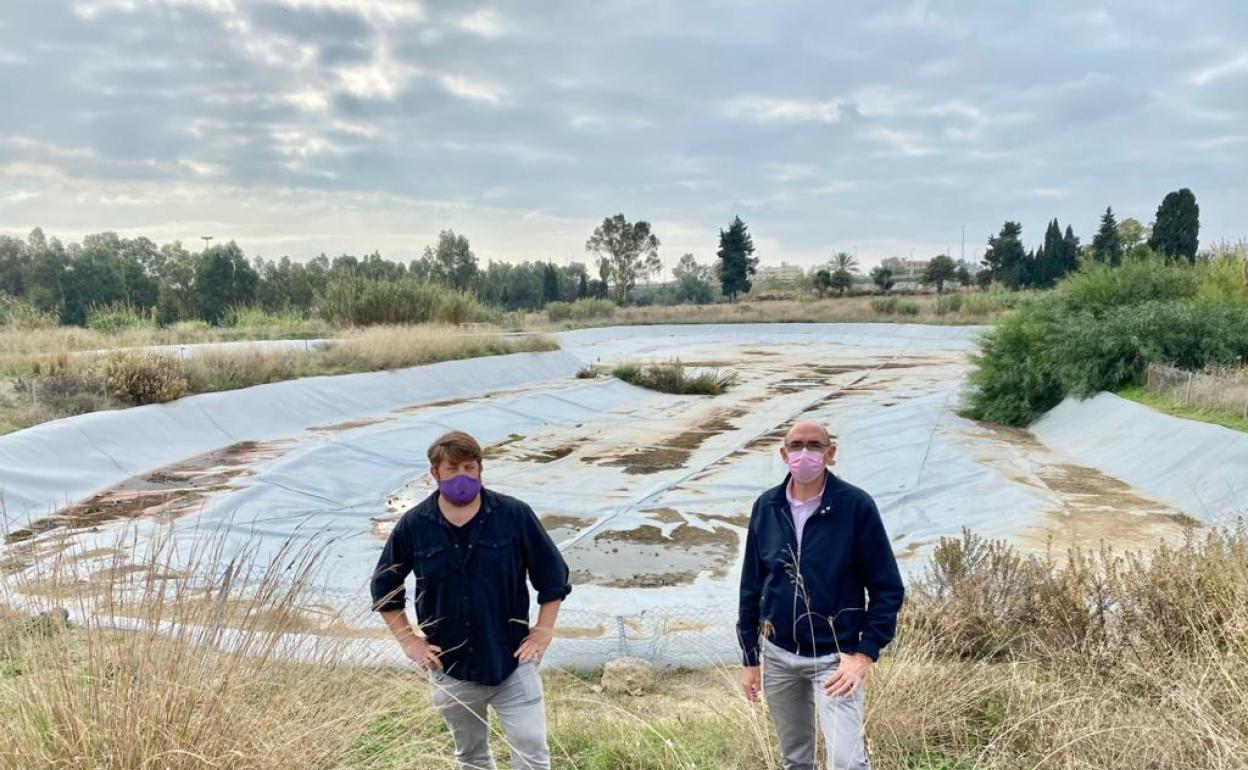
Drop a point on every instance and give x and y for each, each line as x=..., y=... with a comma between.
x=814, y=446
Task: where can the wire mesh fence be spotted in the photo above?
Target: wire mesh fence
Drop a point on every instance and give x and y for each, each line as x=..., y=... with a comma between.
x=671, y=636
x=1222, y=389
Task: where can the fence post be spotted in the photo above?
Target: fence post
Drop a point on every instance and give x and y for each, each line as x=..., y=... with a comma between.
x=619, y=625
x=1187, y=398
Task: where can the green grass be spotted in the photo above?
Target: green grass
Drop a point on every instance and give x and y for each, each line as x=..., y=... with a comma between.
x=1141, y=395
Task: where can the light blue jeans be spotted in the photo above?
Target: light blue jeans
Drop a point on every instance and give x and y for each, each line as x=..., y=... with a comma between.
x=793, y=688
x=520, y=709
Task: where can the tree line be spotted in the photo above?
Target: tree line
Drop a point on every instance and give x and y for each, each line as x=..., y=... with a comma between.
x=170, y=283
x=1173, y=236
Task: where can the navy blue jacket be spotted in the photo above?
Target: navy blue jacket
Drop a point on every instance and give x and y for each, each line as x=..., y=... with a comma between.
x=473, y=604
x=821, y=607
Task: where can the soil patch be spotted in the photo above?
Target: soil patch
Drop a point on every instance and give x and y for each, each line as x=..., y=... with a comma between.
x=349, y=425
x=549, y=455
x=644, y=558
x=673, y=453
x=174, y=490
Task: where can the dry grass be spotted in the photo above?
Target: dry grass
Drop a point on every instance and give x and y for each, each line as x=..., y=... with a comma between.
x=974, y=308
x=1218, y=394
x=68, y=339
x=50, y=386
x=1101, y=661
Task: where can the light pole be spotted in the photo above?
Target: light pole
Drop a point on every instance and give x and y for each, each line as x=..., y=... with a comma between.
x=205, y=239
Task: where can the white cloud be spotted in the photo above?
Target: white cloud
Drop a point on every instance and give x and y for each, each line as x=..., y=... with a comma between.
x=765, y=109
x=383, y=77
x=905, y=143
x=485, y=22
x=473, y=90
x=1048, y=193
x=203, y=168
x=788, y=172
x=309, y=99
x=1236, y=65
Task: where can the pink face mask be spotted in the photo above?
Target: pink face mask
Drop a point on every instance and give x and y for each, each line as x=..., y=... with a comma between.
x=806, y=465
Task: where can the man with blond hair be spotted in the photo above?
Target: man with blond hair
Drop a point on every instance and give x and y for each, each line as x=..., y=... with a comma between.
x=820, y=593
x=471, y=550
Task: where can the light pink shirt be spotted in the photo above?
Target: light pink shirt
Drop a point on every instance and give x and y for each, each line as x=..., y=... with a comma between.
x=802, y=511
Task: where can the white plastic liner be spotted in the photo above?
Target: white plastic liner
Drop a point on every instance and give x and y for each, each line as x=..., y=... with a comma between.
x=931, y=472
x=54, y=464
x=1199, y=468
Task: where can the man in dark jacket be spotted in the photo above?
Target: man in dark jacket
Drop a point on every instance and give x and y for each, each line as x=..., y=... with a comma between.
x=820, y=593
x=471, y=550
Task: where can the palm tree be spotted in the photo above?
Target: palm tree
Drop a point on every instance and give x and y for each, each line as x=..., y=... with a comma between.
x=846, y=262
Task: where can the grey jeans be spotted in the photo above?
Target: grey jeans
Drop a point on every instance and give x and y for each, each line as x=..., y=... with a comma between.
x=518, y=704
x=793, y=687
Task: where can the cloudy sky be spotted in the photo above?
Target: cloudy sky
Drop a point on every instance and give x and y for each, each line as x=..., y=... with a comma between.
x=304, y=126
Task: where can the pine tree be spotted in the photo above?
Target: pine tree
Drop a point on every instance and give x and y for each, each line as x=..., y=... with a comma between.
x=1005, y=258
x=1176, y=233
x=1050, y=258
x=1070, y=252
x=550, y=283
x=736, y=259
x=1107, y=246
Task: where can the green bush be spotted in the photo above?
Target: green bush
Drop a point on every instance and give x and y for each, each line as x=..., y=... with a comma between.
x=581, y=310
x=885, y=305
x=948, y=303
x=982, y=305
x=118, y=316
x=144, y=378
x=21, y=315
x=361, y=302
x=908, y=307
x=250, y=316
x=1013, y=383
x=1097, y=287
x=1224, y=278
x=1098, y=331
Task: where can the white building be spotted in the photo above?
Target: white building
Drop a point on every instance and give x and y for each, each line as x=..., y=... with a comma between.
x=785, y=272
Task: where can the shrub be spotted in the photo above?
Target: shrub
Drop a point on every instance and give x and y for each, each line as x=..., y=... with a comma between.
x=1106, y=614
x=23, y=316
x=1097, y=287
x=982, y=305
x=361, y=302
x=908, y=307
x=1099, y=331
x=581, y=310
x=948, y=303
x=675, y=378
x=251, y=316
x=64, y=392
x=884, y=305
x=1013, y=382
x=144, y=378
x=117, y=316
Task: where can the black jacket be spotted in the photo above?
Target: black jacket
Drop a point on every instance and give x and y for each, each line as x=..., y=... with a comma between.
x=821, y=606
x=473, y=604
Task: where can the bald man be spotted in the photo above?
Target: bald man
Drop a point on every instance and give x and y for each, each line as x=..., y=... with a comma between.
x=820, y=593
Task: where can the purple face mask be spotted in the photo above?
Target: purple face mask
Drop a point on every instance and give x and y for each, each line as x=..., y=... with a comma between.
x=806, y=465
x=460, y=490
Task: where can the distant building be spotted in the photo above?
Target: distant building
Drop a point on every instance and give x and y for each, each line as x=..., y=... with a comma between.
x=901, y=266
x=785, y=272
